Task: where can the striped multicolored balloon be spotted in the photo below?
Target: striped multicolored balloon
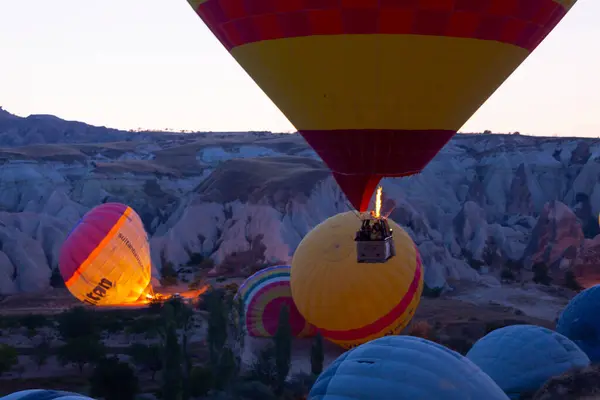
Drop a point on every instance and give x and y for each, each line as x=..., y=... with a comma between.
x=263, y=294
x=105, y=260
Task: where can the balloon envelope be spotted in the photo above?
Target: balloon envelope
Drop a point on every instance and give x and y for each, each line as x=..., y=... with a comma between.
x=42, y=394
x=377, y=88
x=521, y=358
x=350, y=302
x=105, y=260
x=264, y=294
x=579, y=322
x=403, y=368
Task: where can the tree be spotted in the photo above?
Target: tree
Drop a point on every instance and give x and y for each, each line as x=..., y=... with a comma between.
x=202, y=380
x=32, y=322
x=178, y=314
x=222, y=359
x=77, y=322
x=171, y=376
x=9, y=357
x=217, y=324
x=237, y=328
x=114, y=380
x=225, y=370
x=264, y=368
x=42, y=351
x=148, y=357
x=283, y=347
x=316, y=355
x=81, y=351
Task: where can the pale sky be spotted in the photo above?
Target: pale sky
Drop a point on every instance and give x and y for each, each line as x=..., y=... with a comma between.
x=154, y=64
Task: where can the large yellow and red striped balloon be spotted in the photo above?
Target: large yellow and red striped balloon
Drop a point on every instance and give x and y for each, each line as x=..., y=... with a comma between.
x=377, y=87
x=105, y=260
x=349, y=302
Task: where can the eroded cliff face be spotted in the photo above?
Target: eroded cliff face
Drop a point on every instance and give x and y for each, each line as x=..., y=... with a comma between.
x=246, y=200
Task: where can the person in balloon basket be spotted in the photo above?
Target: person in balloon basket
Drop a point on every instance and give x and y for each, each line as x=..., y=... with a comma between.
x=377, y=231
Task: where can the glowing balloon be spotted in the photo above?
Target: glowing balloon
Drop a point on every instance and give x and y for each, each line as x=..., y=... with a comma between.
x=263, y=294
x=377, y=88
x=403, y=368
x=579, y=322
x=105, y=260
x=350, y=302
x=42, y=394
x=521, y=358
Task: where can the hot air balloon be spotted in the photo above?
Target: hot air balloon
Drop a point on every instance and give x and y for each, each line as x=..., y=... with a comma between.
x=263, y=294
x=403, y=368
x=351, y=302
x=377, y=88
x=579, y=322
x=521, y=358
x=42, y=394
x=105, y=260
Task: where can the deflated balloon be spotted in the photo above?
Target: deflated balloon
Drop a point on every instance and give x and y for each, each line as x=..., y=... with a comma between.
x=105, y=260
x=579, y=322
x=521, y=358
x=377, y=88
x=403, y=368
x=350, y=302
x=264, y=294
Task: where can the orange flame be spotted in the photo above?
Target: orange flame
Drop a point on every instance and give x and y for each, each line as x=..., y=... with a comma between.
x=378, y=202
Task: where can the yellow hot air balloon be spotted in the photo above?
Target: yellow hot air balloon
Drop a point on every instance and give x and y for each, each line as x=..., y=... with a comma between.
x=105, y=260
x=377, y=87
x=351, y=302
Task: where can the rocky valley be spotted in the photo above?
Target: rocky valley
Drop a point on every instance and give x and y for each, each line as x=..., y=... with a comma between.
x=490, y=208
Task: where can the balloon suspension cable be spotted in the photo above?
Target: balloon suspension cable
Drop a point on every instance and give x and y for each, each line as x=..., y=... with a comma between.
x=356, y=213
x=389, y=212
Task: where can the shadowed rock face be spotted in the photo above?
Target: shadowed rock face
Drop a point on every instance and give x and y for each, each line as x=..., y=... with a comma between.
x=247, y=199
